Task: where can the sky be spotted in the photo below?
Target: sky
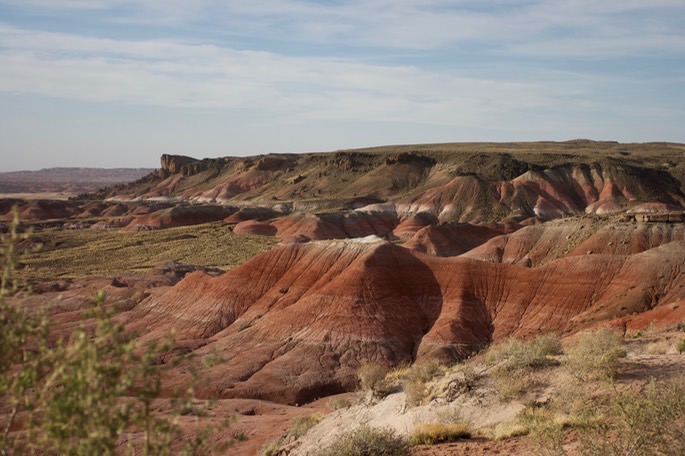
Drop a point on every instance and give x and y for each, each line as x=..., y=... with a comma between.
x=117, y=83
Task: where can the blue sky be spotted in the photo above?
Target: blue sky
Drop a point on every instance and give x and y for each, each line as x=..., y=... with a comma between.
x=116, y=83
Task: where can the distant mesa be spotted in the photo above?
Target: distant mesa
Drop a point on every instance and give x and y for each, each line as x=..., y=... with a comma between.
x=464, y=183
x=68, y=181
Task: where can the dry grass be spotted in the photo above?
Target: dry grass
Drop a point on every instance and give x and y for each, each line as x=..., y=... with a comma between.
x=515, y=354
x=302, y=424
x=434, y=433
x=656, y=348
x=503, y=431
x=416, y=379
x=79, y=253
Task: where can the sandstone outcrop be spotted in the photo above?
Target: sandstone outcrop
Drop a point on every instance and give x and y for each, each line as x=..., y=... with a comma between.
x=174, y=163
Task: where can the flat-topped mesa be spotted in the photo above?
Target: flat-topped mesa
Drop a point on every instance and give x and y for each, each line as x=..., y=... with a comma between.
x=173, y=163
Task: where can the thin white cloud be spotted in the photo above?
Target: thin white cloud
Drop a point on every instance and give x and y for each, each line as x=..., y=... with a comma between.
x=410, y=25
x=166, y=73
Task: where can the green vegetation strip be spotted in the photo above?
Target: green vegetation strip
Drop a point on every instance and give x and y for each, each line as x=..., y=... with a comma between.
x=86, y=252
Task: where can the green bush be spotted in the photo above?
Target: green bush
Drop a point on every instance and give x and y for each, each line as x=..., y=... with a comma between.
x=367, y=441
x=434, y=433
x=595, y=354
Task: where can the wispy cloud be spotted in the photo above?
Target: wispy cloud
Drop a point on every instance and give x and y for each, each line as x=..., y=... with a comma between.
x=167, y=73
x=403, y=24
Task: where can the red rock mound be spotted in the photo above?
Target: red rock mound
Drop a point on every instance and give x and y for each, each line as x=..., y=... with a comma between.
x=252, y=213
x=354, y=224
x=255, y=228
x=451, y=239
x=408, y=227
x=178, y=216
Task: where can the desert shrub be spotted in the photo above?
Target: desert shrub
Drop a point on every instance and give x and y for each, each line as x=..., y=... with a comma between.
x=514, y=359
x=680, y=346
x=680, y=326
x=424, y=371
x=464, y=378
x=595, y=354
x=512, y=385
x=371, y=375
x=514, y=354
x=337, y=403
x=416, y=379
x=302, y=424
x=546, y=433
x=450, y=415
x=415, y=392
x=367, y=441
x=650, y=422
x=398, y=373
x=433, y=433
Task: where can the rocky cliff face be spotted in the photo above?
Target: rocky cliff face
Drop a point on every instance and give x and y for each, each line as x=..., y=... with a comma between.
x=173, y=164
